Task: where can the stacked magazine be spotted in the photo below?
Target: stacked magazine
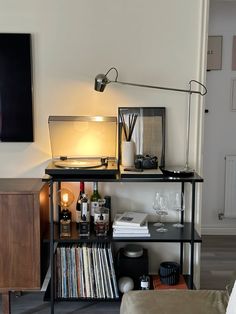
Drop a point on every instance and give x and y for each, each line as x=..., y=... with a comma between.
x=85, y=271
x=130, y=225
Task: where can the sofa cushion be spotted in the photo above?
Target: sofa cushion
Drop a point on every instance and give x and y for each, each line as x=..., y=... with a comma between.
x=174, y=301
x=231, y=307
x=229, y=286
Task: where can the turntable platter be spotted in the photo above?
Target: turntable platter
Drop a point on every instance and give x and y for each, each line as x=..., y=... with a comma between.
x=83, y=167
x=78, y=163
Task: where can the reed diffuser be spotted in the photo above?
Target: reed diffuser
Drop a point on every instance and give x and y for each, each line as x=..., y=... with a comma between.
x=129, y=129
x=128, y=147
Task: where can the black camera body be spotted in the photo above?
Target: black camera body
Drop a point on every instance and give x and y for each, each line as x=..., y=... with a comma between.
x=146, y=162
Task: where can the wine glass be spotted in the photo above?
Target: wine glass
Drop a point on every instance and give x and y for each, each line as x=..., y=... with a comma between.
x=156, y=207
x=178, y=205
x=163, y=211
x=161, y=206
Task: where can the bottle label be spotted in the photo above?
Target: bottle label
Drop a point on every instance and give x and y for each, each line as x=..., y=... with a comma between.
x=94, y=206
x=84, y=228
x=144, y=284
x=85, y=210
x=105, y=217
x=65, y=228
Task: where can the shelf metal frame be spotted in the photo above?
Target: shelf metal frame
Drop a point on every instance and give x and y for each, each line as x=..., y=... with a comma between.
x=75, y=177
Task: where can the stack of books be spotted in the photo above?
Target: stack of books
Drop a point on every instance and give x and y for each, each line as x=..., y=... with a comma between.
x=130, y=225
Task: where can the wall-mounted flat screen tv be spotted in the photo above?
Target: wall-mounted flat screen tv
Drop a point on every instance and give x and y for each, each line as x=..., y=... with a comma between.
x=16, y=112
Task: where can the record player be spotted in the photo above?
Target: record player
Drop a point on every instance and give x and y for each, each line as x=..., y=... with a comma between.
x=83, y=146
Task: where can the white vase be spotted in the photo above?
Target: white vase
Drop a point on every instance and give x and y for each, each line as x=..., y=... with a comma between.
x=127, y=154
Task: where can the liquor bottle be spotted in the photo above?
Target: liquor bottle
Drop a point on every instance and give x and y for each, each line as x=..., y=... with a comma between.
x=78, y=205
x=107, y=204
x=65, y=223
x=101, y=219
x=144, y=282
x=94, y=202
x=84, y=228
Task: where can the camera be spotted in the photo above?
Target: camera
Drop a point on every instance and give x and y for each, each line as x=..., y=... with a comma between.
x=146, y=162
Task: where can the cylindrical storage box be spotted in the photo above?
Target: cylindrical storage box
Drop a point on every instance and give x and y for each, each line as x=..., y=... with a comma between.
x=169, y=273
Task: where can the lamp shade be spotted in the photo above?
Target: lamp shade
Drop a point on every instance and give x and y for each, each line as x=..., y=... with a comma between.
x=100, y=82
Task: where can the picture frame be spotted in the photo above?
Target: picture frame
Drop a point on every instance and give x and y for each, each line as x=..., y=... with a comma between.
x=149, y=131
x=234, y=54
x=233, y=94
x=214, y=53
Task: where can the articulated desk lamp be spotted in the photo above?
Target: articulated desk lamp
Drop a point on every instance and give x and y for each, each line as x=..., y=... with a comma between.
x=101, y=80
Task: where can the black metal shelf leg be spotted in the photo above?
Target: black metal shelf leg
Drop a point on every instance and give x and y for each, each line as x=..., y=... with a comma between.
x=182, y=222
x=192, y=237
x=51, y=245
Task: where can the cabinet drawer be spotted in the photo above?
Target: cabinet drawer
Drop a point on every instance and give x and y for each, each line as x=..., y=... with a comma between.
x=19, y=265
x=23, y=214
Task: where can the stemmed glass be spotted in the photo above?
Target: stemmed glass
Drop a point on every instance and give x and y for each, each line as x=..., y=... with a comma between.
x=156, y=207
x=178, y=205
x=160, y=205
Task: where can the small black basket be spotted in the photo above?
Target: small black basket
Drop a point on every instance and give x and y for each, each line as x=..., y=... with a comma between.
x=169, y=273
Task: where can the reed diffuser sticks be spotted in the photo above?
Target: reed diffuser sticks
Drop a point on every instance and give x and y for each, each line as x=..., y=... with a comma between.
x=129, y=127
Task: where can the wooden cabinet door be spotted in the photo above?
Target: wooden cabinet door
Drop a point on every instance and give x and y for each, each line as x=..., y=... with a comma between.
x=19, y=242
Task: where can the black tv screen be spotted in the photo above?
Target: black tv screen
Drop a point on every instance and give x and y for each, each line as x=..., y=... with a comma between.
x=16, y=116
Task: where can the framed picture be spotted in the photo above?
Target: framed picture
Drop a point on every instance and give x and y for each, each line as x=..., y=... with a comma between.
x=214, y=53
x=233, y=94
x=148, y=133
x=234, y=54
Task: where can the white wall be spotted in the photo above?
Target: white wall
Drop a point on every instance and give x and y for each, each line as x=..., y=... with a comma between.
x=220, y=123
x=158, y=42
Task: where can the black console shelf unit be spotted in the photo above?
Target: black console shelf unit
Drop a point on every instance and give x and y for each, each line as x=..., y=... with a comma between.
x=187, y=234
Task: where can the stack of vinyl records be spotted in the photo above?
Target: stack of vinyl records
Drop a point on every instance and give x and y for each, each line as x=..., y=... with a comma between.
x=85, y=271
x=131, y=225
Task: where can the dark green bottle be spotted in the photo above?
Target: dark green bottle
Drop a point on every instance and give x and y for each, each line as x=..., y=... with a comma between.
x=94, y=202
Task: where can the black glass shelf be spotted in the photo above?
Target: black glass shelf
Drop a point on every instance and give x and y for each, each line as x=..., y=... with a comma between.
x=75, y=237
x=173, y=234
x=72, y=175
x=47, y=295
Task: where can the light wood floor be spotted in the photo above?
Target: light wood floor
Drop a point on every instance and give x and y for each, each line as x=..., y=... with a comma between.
x=218, y=262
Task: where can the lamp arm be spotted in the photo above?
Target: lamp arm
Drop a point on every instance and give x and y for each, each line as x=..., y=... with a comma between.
x=189, y=91
x=165, y=88
x=113, y=68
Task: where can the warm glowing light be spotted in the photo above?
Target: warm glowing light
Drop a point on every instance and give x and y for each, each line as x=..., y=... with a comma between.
x=98, y=119
x=65, y=198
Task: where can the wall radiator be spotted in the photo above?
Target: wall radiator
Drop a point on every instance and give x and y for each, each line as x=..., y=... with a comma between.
x=230, y=186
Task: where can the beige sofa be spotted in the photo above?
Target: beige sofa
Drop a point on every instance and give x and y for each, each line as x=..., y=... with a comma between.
x=175, y=301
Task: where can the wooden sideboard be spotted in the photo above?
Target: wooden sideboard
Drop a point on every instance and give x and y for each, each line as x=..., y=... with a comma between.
x=24, y=205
